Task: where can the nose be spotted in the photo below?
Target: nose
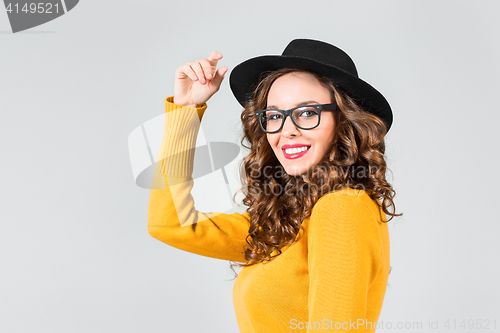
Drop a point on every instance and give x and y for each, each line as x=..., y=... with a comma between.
x=289, y=128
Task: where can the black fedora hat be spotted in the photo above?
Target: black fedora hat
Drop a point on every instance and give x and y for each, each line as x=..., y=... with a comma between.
x=318, y=57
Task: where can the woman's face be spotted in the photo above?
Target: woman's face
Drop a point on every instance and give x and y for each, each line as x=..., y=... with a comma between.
x=289, y=91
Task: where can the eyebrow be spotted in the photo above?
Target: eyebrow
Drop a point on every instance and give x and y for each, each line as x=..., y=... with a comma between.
x=300, y=104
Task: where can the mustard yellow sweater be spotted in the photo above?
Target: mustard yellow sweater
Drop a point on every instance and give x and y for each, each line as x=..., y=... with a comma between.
x=333, y=278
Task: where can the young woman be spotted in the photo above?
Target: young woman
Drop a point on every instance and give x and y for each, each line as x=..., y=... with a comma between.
x=313, y=243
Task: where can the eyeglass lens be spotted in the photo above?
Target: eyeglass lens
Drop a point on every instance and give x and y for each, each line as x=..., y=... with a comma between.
x=305, y=117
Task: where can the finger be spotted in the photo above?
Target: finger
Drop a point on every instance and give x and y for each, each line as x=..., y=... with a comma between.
x=208, y=69
x=214, y=57
x=196, y=66
x=219, y=76
x=188, y=71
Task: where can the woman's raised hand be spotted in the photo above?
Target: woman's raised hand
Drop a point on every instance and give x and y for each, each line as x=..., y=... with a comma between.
x=195, y=82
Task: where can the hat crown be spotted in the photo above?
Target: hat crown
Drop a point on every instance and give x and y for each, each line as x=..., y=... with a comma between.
x=321, y=52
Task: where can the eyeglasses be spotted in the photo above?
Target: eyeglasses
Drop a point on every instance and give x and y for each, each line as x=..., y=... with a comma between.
x=304, y=117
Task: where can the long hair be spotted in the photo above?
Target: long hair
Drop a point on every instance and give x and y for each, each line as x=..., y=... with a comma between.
x=278, y=202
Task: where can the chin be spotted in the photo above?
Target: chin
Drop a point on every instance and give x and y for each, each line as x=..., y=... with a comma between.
x=296, y=170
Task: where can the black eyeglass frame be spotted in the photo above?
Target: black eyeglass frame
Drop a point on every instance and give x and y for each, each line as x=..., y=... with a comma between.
x=318, y=107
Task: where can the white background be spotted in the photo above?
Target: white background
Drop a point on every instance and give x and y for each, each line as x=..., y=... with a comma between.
x=74, y=248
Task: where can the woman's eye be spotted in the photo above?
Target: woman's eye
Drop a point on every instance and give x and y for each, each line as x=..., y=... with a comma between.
x=273, y=116
x=308, y=113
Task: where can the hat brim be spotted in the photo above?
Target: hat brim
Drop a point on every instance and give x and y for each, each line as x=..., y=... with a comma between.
x=245, y=77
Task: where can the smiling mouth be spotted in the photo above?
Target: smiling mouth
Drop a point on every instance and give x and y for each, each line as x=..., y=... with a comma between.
x=293, y=153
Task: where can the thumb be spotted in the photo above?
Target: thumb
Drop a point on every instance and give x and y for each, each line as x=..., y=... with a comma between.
x=219, y=76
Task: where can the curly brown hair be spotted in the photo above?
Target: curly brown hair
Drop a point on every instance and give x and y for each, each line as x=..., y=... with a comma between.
x=278, y=202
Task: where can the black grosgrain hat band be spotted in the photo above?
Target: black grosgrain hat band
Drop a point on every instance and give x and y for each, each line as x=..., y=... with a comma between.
x=320, y=58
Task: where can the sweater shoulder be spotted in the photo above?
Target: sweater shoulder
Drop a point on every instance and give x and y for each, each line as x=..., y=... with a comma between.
x=350, y=198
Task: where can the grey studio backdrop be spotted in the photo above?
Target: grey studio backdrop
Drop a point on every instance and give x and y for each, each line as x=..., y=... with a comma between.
x=74, y=248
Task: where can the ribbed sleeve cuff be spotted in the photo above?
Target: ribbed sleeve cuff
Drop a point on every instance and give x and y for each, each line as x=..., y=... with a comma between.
x=182, y=123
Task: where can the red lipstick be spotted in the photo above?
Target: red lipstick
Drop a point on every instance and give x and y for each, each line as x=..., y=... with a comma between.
x=297, y=155
x=295, y=145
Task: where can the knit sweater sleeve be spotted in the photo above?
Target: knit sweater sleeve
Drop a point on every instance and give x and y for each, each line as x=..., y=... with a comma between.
x=344, y=258
x=172, y=216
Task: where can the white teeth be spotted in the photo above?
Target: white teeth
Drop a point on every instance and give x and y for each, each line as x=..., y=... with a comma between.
x=291, y=151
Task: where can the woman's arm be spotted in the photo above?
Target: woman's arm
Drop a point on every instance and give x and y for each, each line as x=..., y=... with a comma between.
x=172, y=216
x=344, y=258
